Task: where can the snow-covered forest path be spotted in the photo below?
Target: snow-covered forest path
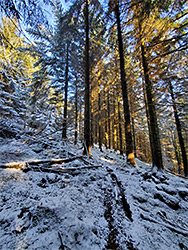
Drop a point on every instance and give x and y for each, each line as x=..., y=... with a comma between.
x=98, y=203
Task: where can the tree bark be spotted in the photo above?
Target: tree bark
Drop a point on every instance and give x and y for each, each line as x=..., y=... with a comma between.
x=152, y=149
x=99, y=113
x=154, y=130
x=105, y=119
x=155, y=143
x=179, y=130
x=178, y=158
x=134, y=136
x=128, y=134
x=114, y=141
x=87, y=139
x=76, y=114
x=92, y=117
x=109, y=120
x=120, y=124
x=64, y=133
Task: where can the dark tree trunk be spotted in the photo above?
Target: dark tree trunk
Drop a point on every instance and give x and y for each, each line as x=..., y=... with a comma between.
x=178, y=158
x=179, y=130
x=64, y=133
x=149, y=127
x=105, y=121
x=134, y=136
x=87, y=140
x=76, y=115
x=154, y=130
x=114, y=123
x=119, y=121
x=81, y=124
x=109, y=120
x=92, y=118
x=99, y=114
x=96, y=127
x=128, y=134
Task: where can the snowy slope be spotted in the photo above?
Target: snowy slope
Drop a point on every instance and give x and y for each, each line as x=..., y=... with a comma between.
x=108, y=206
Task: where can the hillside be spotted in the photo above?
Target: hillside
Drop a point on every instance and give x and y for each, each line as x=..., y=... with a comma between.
x=87, y=203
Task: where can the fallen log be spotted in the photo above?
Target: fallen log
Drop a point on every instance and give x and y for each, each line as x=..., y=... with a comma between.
x=86, y=162
x=174, y=228
x=176, y=174
x=83, y=159
x=23, y=164
x=58, y=170
x=17, y=165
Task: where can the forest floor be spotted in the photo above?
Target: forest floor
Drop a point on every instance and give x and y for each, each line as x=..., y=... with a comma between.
x=93, y=203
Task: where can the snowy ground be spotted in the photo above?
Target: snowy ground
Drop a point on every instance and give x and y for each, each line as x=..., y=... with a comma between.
x=109, y=206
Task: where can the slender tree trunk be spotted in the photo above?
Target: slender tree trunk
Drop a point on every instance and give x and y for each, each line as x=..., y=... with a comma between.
x=76, y=115
x=109, y=120
x=154, y=130
x=149, y=127
x=92, y=117
x=81, y=125
x=128, y=134
x=114, y=124
x=105, y=121
x=134, y=136
x=87, y=140
x=114, y=121
x=96, y=127
x=179, y=130
x=120, y=124
x=99, y=112
x=64, y=133
x=177, y=156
